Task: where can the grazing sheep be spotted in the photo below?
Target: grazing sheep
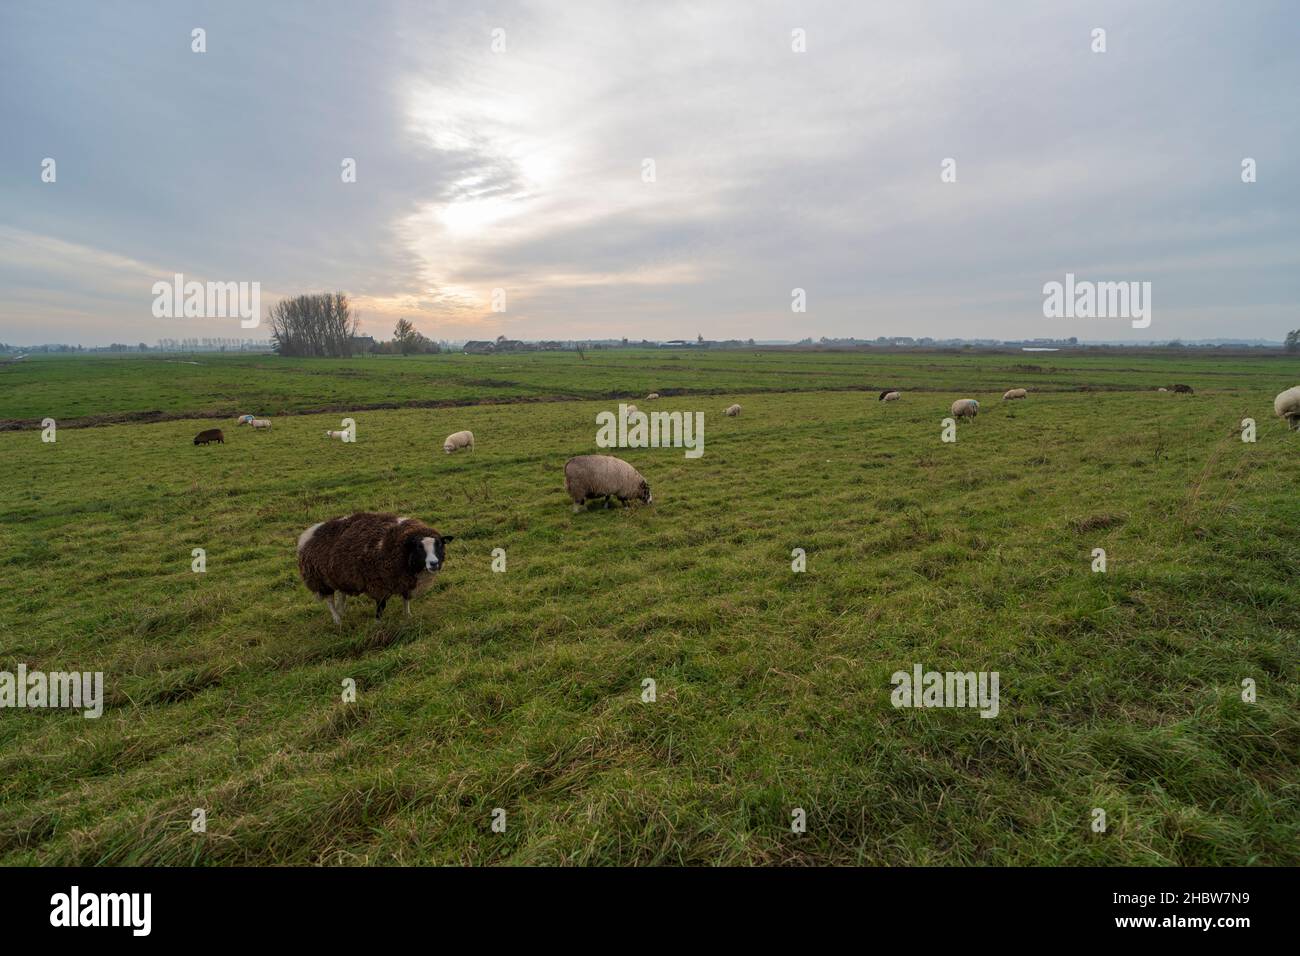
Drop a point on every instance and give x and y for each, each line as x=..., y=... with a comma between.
x=732, y=411
x=378, y=555
x=890, y=395
x=1014, y=393
x=965, y=408
x=340, y=435
x=652, y=396
x=603, y=476
x=1183, y=389
x=210, y=435
x=1287, y=405
x=458, y=440
x=631, y=410
x=1162, y=389
x=243, y=419
x=261, y=423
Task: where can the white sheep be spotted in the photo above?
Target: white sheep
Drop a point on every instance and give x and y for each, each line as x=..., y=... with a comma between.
x=732, y=411
x=631, y=410
x=1014, y=393
x=243, y=419
x=343, y=435
x=260, y=422
x=890, y=395
x=965, y=408
x=1287, y=405
x=457, y=440
x=652, y=396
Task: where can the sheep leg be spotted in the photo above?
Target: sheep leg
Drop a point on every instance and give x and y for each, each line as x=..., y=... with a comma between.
x=379, y=608
x=607, y=502
x=407, y=602
x=340, y=600
x=329, y=603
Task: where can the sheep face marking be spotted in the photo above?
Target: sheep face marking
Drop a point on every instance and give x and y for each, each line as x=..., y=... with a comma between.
x=426, y=554
x=645, y=492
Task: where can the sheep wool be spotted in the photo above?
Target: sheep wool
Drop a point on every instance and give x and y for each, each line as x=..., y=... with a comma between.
x=652, y=396
x=733, y=411
x=458, y=440
x=260, y=422
x=210, y=435
x=378, y=555
x=339, y=435
x=1014, y=393
x=243, y=419
x=965, y=408
x=890, y=395
x=1287, y=405
x=603, y=476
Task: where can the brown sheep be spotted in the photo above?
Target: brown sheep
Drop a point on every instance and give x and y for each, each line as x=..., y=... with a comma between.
x=210, y=435
x=378, y=555
x=603, y=476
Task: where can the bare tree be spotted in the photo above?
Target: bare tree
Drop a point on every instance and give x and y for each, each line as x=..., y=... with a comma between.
x=322, y=324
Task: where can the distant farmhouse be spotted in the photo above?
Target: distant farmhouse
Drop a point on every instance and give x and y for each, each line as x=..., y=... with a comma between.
x=503, y=344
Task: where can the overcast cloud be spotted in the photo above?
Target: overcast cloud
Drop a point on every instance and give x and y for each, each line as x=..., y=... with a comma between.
x=522, y=169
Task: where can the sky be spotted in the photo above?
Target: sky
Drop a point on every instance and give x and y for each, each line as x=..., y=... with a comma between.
x=504, y=146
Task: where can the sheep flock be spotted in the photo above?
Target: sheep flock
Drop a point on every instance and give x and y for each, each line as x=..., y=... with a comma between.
x=383, y=555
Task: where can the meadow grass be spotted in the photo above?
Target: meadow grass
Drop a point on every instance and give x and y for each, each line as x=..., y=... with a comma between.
x=76, y=388
x=522, y=690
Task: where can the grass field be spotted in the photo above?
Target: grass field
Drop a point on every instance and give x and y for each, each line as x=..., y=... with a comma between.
x=79, y=390
x=523, y=690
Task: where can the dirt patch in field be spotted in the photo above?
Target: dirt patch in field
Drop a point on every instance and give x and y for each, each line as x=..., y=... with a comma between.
x=1097, y=522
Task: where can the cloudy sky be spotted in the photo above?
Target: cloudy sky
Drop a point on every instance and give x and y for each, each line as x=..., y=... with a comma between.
x=522, y=169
